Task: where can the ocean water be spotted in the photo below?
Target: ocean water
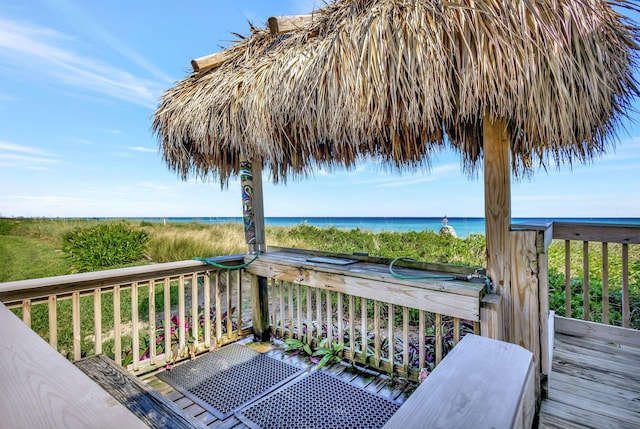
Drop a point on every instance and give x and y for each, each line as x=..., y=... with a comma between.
x=464, y=226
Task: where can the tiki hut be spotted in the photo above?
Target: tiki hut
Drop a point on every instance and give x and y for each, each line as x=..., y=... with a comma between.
x=512, y=86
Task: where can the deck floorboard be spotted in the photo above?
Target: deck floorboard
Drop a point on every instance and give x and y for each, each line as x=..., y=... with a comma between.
x=394, y=389
x=593, y=384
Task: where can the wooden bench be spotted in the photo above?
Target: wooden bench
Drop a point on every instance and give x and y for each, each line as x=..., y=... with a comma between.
x=481, y=383
x=146, y=403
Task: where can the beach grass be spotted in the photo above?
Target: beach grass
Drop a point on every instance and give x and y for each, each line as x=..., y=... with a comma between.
x=32, y=248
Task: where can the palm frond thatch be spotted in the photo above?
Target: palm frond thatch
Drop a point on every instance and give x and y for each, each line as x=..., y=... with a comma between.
x=400, y=79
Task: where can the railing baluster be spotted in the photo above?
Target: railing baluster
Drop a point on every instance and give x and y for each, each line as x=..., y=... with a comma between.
x=567, y=278
x=274, y=307
x=182, y=334
x=117, y=328
x=363, y=327
x=421, y=342
x=327, y=295
x=166, y=296
x=299, y=311
x=239, y=304
x=456, y=330
x=405, y=340
x=319, y=314
x=291, y=319
x=283, y=317
x=206, y=292
x=626, y=316
x=229, y=306
x=97, y=320
x=134, y=326
x=75, y=317
x=605, y=283
x=352, y=327
x=340, y=320
x=152, y=322
x=309, y=315
x=218, y=312
x=53, y=323
x=376, y=332
x=26, y=312
x=586, y=301
x=195, y=319
x=438, y=338
x=391, y=341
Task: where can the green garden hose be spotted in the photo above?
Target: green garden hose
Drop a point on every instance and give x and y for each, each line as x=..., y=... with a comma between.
x=227, y=267
x=400, y=276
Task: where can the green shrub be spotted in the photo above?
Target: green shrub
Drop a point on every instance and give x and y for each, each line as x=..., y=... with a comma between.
x=104, y=246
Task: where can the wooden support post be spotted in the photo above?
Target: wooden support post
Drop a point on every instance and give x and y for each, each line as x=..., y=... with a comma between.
x=252, y=205
x=260, y=308
x=497, y=203
x=491, y=317
x=525, y=297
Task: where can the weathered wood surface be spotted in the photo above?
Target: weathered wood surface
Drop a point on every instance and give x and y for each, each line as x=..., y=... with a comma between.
x=42, y=389
x=373, y=281
x=149, y=405
x=595, y=377
x=283, y=24
x=12, y=292
x=482, y=383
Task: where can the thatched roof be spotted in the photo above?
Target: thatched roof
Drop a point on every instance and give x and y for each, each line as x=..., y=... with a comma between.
x=400, y=79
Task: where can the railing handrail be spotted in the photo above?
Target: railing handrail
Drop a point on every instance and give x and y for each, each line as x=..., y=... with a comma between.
x=587, y=231
x=13, y=292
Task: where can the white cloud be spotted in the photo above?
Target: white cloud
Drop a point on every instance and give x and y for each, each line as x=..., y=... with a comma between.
x=142, y=149
x=42, y=53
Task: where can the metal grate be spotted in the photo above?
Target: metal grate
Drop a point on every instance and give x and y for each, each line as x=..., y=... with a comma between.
x=319, y=401
x=224, y=380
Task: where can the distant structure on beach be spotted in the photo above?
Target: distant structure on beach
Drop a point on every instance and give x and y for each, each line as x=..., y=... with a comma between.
x=447, y=229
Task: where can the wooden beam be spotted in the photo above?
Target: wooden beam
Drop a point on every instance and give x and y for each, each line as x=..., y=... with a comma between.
x=208, y=62
x=283, y=24
x=252, y=204
x=497, y=212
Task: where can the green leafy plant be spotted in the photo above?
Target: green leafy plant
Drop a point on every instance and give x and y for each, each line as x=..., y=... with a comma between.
x=104, y=246
x=327, y=352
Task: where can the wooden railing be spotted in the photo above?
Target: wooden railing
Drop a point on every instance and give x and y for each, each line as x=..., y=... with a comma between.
x=606, y=254
x=394, y=325
x=142, y=317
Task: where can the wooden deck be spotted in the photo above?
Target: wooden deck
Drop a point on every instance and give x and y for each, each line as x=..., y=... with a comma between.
x=595, y=377
x=395, y=389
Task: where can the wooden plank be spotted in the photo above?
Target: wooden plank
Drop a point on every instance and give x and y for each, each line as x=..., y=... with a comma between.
x=567, y=278
x=492, y=391
x=135, y=333
x=626, y=314
x=206, y=292
x=497, y=210
x=26, y=312
x=609, y=233
x=543, y=297
x=75, y=321
x=525, y=296
x=53, y=323
x=605, y=283
x=377, y=334
x=182, y=329
x=417, y=295
x=586, y=300
x=606, y=396
x=194, y=311
x=284, y=24
x=613, y=334
x=556, y=415
x=117, y=325
x=438, y=323
x=491, y=317
x=209, y=62
x=42, y=288
x=46, y=390
x=148, y=405
x=166, y=296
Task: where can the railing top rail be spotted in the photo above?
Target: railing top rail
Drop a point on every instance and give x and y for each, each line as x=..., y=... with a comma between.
x=43, y=287
x=602, y=232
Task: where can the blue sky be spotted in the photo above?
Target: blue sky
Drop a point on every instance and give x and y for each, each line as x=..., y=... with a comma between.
x=79, y=81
